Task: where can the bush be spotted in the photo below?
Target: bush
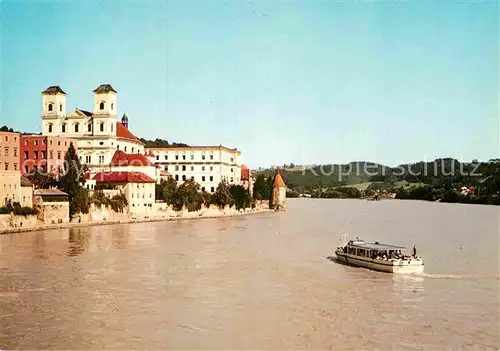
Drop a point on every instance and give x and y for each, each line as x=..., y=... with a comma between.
x=118, y=203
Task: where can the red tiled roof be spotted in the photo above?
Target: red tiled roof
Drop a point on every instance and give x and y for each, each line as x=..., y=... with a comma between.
x=121, y=159
x=149, y=153
x=245, y=173
x=122, y=177
x=278, y=181
x=124, y=133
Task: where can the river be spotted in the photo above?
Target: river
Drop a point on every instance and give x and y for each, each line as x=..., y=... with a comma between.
x=261, y=281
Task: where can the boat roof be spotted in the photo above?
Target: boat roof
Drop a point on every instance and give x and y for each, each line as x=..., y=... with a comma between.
x=375, y=246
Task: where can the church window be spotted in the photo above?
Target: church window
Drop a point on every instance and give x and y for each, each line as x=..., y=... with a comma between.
x=125, y=149
x=112, y=106
x=63, y=128
x=102, y=127
x=50, y=107
x=50, y=128
x=76, y=127
x=89, y=127
x=101, y=106
x=184, y=178
x=112, y=128
x=60, y=107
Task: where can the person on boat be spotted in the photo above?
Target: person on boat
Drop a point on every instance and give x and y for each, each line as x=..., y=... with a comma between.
x=414, y=252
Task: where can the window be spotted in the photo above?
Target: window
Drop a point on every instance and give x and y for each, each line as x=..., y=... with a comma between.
x=132, y=150
x=184, y=177
x=192, y=178
x=183, y=157
x=192, y=168
x=58, y=143
x=192, y=157
x=26, y=155
x=35, y=155
x=26, y=142
x=76, y=127
x=177, y=168
x=15, y=152
x=183, y=168
x=89, y=127
x=101, y=106
x=50, y=107
x=15, y=166
x=51, y=154
x=211, y=157
x=58, y=155
x=202, y=157
x=231, y=170
x=101, y=159
x=132, y=195
x=101, y=143
x=203, y=168
x=63, y=128
x=232, y=159
x=65, y=143
x=176, y=157
x=50, y=142
x=112, y=127
x=112, y=106
x=125, y=148
x=177, y=177
x=60, y=107
x=202, y=188
x=211, y=168
x=157, y=158
x=50, y=128
x=102, y=127
x=88, y=159
x=202, y=178
x=166, y=157
x=36, y=142
x=232, y=179
x=212, y=189
x=44, y=155
x=211, y=178
x=6, y=166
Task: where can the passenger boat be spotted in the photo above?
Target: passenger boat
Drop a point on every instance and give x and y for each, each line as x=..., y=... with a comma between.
x=379, y=257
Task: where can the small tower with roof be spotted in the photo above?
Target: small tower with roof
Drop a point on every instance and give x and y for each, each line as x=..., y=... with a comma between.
x=278, y=196
x=105, y=110
x=53, y=109
x=125, y=120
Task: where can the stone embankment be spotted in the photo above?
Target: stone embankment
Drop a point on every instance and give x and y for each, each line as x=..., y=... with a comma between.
x=17, y=224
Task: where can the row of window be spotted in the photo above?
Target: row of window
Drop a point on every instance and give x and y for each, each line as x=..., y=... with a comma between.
x=35, y=142
x=7, y=166
x=7, y=149
x=43, y=155
x=203, y=178
x=10, y=187
x=183, y=157
x=7, y=138
x=50, y=107
x=192, y=168
x=138, y=196
x=76, y=127
x=43, y=168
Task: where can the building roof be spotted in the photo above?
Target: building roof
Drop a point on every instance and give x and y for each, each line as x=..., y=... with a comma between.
x=278, y=181
x=104, y=88
x=49, y=192
x=245, y=173
x=121, y=159
x=53, y=90
x=86, y=113
x=194, y=147
x=123, y=133
x=25, y=182
x=122, y=177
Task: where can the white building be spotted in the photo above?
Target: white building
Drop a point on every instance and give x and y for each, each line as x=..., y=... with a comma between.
x=138, y=188
x=98, y=133
x=206, y=165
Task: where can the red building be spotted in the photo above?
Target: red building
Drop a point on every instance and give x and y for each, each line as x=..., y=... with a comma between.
x=43, y=153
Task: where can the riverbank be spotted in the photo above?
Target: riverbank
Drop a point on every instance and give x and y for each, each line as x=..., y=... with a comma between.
x=182, y=215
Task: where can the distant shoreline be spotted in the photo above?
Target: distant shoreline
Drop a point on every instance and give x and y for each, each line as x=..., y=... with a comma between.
x=129, y=221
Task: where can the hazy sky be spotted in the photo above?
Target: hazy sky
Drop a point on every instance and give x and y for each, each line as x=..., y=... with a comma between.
x=303, y=82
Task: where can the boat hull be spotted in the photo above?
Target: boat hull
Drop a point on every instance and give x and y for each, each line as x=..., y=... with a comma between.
x=396, y=266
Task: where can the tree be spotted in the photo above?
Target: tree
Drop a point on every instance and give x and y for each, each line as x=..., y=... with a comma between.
x=241, y=196
x=166, y=190
x=262, y=188
x=71, y=182
x=187, y=194
x=222, y=195
x=41, y=181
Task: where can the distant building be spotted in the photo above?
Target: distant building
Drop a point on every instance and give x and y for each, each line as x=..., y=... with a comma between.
x=206, y=165
x=278, y=196
x=26, y=198
x=10, y=177
x=52, y=205
x=43, y=153
x=136, y=163
x=138, y=188
x=98, y=133
x=247, y=180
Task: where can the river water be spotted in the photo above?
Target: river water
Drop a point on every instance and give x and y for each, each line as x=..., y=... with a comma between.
x=261, y=281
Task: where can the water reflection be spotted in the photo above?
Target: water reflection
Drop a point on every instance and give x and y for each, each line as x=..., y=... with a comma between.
x=78, y=240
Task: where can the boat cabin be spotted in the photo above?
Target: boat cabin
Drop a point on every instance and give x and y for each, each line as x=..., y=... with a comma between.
x=372, y=250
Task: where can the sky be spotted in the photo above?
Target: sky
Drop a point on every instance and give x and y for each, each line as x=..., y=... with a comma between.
x=311, y=82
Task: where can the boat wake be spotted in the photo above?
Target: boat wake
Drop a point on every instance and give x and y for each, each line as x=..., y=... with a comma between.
x=460, y=276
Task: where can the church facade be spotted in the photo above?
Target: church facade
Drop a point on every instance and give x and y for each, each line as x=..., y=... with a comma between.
x=98, y=133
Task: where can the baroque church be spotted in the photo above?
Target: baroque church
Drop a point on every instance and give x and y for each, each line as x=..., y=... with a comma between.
x=98, y=133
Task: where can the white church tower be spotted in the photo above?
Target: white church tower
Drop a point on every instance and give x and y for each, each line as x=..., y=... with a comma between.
x=105, y=110
x=53, y=110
